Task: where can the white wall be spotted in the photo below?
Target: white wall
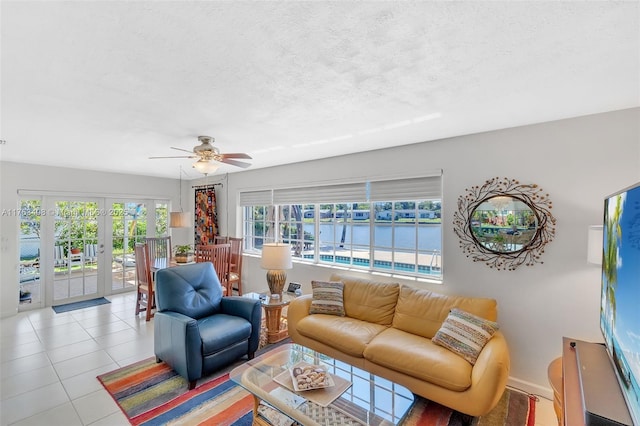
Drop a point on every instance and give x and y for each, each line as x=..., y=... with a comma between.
x=15, y=176
x=577, y=161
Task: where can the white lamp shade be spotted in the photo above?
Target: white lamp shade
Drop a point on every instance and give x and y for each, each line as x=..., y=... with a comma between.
x=276, y=256
x=594, y=245
x=205, y=167
x=179, y=219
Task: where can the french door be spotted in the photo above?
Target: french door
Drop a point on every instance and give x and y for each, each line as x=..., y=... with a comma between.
x=129, y=224
x=78, y=247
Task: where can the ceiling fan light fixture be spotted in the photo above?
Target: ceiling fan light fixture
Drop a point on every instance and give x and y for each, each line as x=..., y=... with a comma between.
x=205, y=149
x=205, y=167
x=205, y=152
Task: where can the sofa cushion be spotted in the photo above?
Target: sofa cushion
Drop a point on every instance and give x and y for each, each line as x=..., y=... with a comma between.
x=418, y=357
x=422, y=312
x=345, y=334
x=465, y=334
x=369, y=301
x=327, y=298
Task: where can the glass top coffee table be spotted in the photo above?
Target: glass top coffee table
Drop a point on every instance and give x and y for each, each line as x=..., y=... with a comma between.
x=367, y=400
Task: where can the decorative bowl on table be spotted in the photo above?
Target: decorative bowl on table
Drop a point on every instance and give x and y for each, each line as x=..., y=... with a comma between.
x=309, y=377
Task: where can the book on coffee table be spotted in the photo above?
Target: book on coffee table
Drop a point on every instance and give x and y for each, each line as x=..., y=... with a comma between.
x=273, y=416
x=285, y=395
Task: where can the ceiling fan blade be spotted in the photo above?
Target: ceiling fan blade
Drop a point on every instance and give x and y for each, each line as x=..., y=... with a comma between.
x=236, y=155
x=234, y=163
x=178, y=156
x=180, y=149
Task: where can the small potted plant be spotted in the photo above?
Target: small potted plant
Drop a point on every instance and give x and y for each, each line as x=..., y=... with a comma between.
x=183, y=253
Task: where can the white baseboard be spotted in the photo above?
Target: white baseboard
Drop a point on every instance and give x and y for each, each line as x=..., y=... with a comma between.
x=529, y=387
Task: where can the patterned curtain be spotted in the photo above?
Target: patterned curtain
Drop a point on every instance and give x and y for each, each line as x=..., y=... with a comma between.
x=206, y=219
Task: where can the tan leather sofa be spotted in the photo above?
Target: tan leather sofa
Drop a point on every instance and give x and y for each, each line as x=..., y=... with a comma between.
x=387, y=331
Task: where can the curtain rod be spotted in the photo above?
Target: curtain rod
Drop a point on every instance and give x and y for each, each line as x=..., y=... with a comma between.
x=211, y=185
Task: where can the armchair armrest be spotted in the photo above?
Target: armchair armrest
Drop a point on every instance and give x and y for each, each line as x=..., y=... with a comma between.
x=249, y=309
x=177, y=341
x=244, y=307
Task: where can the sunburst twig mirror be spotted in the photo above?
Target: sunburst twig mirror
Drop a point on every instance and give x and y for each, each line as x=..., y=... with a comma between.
x=504, y=223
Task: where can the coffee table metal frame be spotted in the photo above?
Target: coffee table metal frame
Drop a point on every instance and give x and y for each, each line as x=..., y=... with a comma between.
x=371, y=400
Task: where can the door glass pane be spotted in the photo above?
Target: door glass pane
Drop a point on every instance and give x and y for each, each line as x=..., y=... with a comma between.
x=162, y=214
x=129, y=227
x=30, y=220
x=75, y=250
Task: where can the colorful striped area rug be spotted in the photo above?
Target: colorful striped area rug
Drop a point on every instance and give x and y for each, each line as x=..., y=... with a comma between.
x=514, y=409
x=151, y=393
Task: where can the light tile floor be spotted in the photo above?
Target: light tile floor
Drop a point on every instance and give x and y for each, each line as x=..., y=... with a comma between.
x=49, y=364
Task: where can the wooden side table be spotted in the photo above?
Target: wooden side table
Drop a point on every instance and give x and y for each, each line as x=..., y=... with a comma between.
x=273, y=318
x=555, y=380
x=273, y=314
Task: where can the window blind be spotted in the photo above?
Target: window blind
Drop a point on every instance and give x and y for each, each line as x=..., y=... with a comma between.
x=421, y=188
x=256, y=198
x=321, y=194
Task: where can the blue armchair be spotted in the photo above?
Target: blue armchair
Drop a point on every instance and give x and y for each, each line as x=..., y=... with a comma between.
x=196, y=330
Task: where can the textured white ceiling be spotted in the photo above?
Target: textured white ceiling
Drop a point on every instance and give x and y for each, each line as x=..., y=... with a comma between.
x=105, y=85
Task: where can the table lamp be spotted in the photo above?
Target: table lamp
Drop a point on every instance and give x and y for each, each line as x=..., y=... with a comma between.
x=276, y=257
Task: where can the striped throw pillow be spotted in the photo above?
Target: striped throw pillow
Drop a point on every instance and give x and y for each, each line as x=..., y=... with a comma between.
x=465, y=334
x=327, y=298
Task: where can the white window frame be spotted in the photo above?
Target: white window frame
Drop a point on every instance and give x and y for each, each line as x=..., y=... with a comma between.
x=276, y=205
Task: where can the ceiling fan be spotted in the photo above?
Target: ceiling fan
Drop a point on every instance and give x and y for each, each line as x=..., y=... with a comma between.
x=205, y=152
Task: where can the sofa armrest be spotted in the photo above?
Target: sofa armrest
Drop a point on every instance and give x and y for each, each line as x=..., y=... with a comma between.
x=176, y=340
x=490, y=373
x=298, y=309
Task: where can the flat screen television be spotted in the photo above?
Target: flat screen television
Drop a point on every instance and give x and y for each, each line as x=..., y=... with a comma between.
x=620, y=292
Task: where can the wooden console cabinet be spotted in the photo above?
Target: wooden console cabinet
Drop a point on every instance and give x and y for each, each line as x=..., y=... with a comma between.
x=602, y=392
x=572, y=410
x=563, y=378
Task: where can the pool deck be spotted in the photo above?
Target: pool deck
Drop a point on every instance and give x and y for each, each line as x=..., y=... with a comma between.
x=429, y=260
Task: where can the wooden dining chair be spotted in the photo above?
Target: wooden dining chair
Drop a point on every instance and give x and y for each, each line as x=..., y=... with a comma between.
x=145, y=298
x=220, y=239
x=158, y=248
x=219, y=255
x=235, y=265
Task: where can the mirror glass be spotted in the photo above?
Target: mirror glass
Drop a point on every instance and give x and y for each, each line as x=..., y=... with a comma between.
x=503, y=224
